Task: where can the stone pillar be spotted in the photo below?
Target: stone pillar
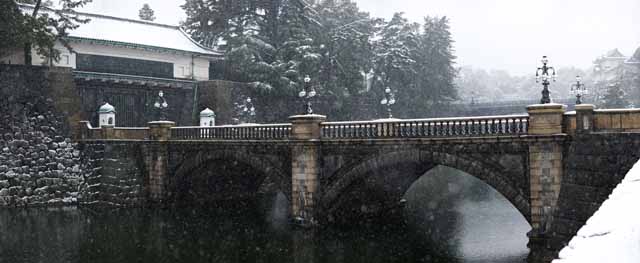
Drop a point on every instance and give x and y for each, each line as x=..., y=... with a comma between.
x=160, y=130
x=584, y=118
x=305, y=166
x=157, y=160
x=545, y=167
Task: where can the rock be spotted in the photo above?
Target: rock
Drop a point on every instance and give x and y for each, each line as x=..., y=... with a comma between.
x=53, y=146
x=4, y=184
x=4, y=192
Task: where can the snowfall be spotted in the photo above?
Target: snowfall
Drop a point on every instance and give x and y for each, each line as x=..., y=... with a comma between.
x=612, y=234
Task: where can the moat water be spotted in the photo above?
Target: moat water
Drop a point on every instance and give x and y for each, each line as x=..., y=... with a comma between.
x=240, y=234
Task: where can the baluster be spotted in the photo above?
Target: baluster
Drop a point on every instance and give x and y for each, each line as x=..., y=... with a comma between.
x=519, y=125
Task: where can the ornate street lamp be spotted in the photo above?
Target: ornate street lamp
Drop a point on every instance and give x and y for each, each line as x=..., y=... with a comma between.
x=579, y=90
x=307, y=94
x=389, y=99
x=161, y=106
x=543, y=72
x=249, y=112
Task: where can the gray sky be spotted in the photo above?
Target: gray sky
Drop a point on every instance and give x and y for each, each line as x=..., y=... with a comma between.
x=492, y=34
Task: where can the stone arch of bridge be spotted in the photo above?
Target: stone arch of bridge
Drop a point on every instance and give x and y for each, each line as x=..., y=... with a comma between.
x=273, y=178
x=487, y=173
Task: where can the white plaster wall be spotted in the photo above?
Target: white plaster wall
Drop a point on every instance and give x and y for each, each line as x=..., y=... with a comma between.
x=36, y=59
x=184, y=66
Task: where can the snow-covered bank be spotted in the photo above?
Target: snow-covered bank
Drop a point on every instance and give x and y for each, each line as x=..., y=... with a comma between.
x=612, y=234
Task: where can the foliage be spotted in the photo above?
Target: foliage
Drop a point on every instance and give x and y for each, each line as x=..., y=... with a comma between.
x=273, y=44
x=146, y=13
x=615, y=97
x=12, y=25
x=40, y=26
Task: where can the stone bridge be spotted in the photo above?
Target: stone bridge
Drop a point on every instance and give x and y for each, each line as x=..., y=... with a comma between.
x=555, y=167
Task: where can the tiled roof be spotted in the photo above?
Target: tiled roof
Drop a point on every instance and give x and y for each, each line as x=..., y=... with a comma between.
x=130, y=32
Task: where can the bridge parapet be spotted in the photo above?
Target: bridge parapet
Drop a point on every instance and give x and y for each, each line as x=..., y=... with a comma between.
x=587, y=118
x=87, y=132
x=428, y=128
x=235, y=132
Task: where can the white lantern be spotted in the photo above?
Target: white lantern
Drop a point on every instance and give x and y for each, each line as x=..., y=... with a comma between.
x=107, y=115
x=207, y=118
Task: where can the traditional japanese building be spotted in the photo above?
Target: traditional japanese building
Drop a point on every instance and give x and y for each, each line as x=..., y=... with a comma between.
x=126, y=62
x=614, y=68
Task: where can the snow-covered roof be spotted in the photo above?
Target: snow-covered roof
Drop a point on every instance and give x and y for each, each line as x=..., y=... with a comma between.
x=109, y=30
x=107, y=108
x=635, y=59
x=614, y=53
x=207, y=113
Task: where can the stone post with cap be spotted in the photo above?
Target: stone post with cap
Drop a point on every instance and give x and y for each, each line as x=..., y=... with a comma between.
x=107, y=120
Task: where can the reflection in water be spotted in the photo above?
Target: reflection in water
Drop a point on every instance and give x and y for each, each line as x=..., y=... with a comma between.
x=193, y=235
x=445, y=221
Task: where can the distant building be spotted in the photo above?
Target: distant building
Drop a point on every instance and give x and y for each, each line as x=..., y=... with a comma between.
x=614, y=68
x=121, y=46
x=127, y=62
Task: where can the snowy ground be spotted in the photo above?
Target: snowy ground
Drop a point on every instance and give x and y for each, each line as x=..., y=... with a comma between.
x=612, y=234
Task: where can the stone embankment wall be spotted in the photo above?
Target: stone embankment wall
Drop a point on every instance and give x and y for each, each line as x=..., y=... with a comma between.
x=39, y=165
x=113, y=174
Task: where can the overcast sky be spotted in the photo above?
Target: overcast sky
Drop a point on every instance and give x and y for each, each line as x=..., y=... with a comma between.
x=492, y=34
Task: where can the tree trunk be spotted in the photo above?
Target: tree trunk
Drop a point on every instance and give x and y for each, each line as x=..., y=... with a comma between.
x=27, y=54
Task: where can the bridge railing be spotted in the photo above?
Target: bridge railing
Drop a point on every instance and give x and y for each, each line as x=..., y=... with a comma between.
x=233, y=132
x=428, y=128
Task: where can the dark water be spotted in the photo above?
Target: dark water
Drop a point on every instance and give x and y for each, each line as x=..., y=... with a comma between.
x=441, y=222
x=229, y=234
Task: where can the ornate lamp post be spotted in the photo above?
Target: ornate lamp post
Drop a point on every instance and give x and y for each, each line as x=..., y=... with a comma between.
x=389, y=99
x=579, y=90
x=249, y=111
x=307, y=94
x=161, y=106
x=543, y=72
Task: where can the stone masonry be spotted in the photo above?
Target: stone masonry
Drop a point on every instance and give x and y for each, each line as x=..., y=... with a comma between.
x=39, y=164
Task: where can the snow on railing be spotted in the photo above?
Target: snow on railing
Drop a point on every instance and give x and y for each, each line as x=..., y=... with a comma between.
x=421, y=128
x=233, y=132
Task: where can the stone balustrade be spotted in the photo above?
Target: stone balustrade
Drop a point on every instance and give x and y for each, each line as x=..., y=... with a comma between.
x=587, y=118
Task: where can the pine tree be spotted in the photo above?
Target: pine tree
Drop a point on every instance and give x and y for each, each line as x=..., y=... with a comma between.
x=146, y=13
x=615, y=97
x=394, y=60
x=41, y=30
x=435, y=68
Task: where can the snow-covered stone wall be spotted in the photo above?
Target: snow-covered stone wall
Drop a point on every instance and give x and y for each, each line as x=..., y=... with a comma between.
x=39, y=165
x=612, y=234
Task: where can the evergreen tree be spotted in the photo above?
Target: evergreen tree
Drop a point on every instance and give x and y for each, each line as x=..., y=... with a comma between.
x=615, y=97
x=43, y=26
x=434, y=85
x=273, y=44
x=146, y=13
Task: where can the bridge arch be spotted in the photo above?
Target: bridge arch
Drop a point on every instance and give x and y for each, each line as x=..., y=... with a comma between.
x=272, y=176
x=490, y=174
